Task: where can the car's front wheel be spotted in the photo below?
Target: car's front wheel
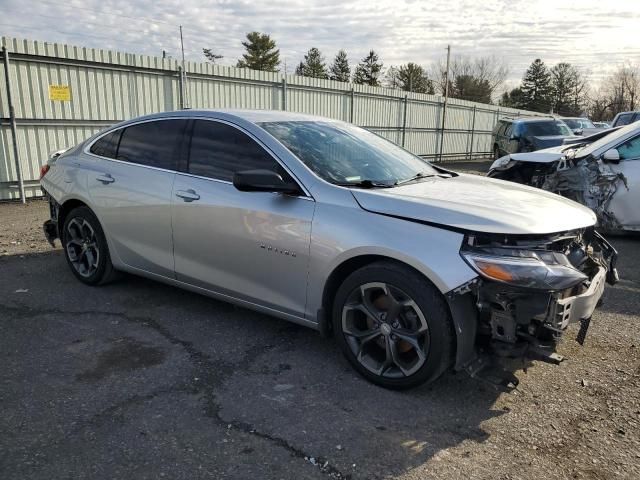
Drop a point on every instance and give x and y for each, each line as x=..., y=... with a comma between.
x=85, y=247
x=393, y=325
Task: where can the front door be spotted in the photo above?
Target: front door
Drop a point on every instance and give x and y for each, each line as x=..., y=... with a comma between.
x=249, y=245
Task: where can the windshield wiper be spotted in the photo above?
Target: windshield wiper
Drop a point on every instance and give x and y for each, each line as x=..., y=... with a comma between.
x=364, y=184
x=417, y=176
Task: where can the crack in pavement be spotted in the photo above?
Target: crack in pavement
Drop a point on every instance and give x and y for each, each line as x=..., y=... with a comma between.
x=211, y=373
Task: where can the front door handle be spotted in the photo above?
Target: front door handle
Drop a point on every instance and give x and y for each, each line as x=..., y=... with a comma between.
x=188, y=195
x=105, y=178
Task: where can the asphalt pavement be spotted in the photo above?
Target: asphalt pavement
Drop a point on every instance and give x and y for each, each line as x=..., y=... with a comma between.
x=138, y=380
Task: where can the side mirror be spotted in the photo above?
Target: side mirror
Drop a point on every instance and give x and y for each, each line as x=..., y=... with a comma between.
x=263, y=181
x=577, y=131
x=611, y=155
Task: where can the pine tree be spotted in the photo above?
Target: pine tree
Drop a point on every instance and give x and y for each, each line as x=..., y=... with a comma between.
x=368, y=71
x=412, y=78
x=536, y=87
x=471, y=88
x=340, y=69
x=512, y=99
x=313, y=66
x=261, y=54
x=210, y=55
x=567, y=86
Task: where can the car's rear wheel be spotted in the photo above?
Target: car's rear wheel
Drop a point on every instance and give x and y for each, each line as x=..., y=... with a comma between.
x=85, y=247
x=393, y=326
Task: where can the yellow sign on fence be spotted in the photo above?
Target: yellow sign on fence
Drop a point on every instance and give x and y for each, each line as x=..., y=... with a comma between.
x=60, y=93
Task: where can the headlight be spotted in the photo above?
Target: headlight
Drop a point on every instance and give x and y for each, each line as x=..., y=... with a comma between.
x=502, y=163
x=528, y=269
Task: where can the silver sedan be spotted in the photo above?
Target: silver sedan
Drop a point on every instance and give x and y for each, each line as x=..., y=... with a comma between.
x=413, y=268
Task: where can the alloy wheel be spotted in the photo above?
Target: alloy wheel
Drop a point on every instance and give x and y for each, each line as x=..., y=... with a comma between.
x=82, y=247
x=386, y=330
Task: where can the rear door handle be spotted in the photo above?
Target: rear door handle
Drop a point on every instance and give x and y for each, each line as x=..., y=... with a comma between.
x=188, y=195
x=105, y=179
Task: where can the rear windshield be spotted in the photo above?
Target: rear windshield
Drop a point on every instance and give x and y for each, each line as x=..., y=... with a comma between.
x=546, y=128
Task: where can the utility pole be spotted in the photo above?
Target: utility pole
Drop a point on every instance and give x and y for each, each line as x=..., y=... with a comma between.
x=446, y=96
x=183, y=72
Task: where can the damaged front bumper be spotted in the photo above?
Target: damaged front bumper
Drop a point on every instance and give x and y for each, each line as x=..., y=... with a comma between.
x=496, y=319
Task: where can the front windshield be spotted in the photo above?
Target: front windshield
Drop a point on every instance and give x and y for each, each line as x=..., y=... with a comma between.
x=547, y=128
x=344, y=154
x=611, y=138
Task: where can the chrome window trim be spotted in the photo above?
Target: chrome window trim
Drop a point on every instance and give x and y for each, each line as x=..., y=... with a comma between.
x=87, y=148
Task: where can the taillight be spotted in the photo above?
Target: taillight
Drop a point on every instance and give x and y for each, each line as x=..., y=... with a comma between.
x=43, y=170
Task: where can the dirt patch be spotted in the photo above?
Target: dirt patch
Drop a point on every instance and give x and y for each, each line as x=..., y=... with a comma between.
x=21, y=227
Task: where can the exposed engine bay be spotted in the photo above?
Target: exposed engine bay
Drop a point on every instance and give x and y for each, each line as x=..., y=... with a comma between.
x=531, y=288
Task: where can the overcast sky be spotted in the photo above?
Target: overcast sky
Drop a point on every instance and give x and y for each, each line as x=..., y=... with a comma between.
x=596, y=35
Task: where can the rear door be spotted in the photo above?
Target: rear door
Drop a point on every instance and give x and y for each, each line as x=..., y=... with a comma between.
x=625, y=203
x=131, y=189
x=248, y=245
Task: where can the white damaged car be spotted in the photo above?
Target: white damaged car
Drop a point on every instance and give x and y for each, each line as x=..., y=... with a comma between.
x=603, y=174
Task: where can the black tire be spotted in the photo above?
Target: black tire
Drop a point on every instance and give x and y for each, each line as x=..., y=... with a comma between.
x=80, y=230
x=496, y=152
x=437, y=346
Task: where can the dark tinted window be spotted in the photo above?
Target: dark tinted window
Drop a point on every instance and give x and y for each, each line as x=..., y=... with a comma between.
x=219, y=150
x=503, y=127
x=152, y=143
x=107, y=145
x=624, y=119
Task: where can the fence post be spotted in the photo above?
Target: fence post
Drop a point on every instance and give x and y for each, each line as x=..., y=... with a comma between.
x=284, y=93
x=12, y=119
x=473, y=127
x=404, y=119
x=181, y=87
x=353, y=100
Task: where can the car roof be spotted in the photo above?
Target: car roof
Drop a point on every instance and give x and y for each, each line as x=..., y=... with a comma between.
x=253, y=116
x=527, y=119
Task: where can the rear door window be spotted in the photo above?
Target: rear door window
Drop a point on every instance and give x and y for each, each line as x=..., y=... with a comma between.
x=219, y=150
x=107, y=146
x=154, y=144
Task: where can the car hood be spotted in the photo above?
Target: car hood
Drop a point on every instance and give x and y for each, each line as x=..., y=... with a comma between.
x=541, y=156
x=478, y=204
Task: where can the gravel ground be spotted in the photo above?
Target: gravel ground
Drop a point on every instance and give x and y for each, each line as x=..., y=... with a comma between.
x=140, y=380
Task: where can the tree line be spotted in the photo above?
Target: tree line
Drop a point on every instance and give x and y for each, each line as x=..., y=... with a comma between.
x=562, y=89
x=474, y=80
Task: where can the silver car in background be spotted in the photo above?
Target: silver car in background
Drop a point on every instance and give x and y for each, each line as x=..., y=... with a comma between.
x=414, y=269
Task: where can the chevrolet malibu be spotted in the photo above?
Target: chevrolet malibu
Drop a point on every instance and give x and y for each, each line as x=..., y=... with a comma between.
x=414, y=269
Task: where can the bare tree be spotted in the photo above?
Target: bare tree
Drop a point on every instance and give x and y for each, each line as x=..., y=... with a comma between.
x=484, y=75
x=618, y=93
